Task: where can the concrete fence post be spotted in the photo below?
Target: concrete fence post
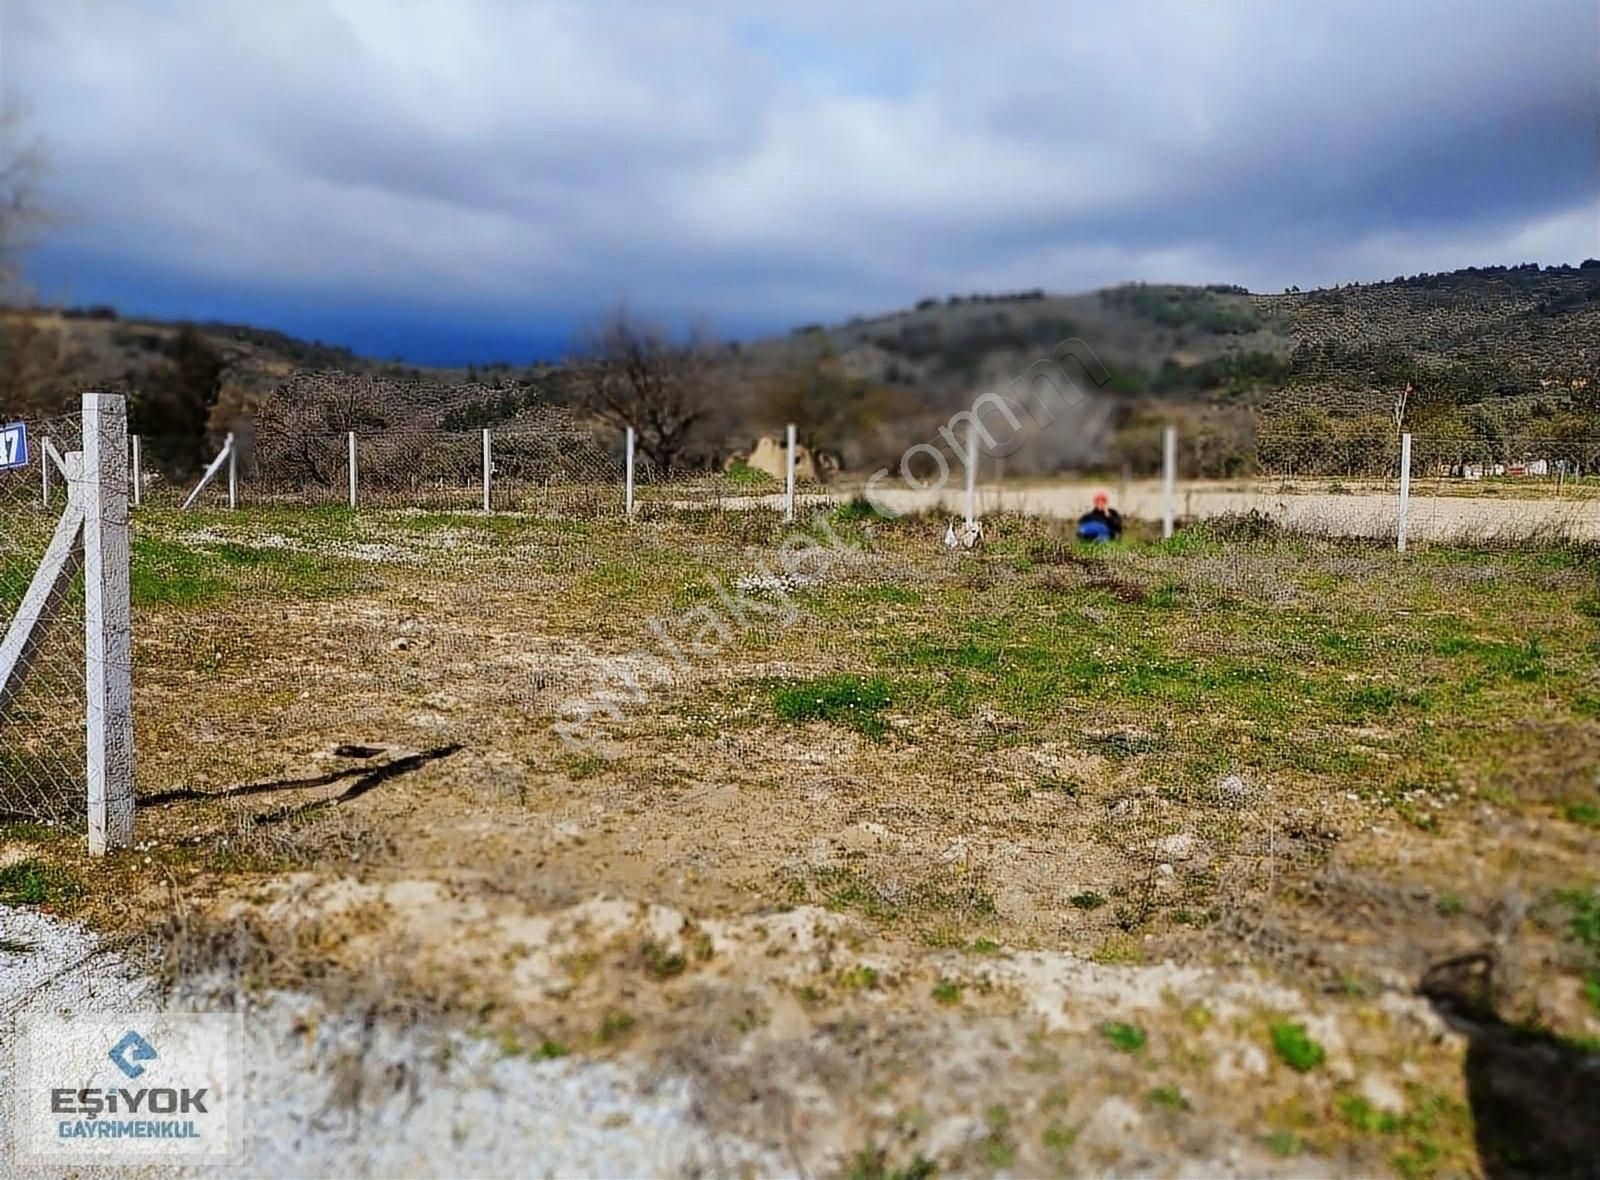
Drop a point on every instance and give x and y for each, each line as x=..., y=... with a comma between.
x=788, y=471
x=1169, y=479
x=488, y=469
x=138, y=472
x=224, y=457
x=972, y=474
x=233, y=475
x=108, y=622
x=350, y=464
x=44, y=469
x=1401, y=521
x=627, y=495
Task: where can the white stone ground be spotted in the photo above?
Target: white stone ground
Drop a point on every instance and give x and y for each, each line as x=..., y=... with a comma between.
x=343, y=1101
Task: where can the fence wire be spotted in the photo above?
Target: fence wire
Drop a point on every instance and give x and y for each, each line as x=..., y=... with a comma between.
x=42, y=763
x=1461, y=489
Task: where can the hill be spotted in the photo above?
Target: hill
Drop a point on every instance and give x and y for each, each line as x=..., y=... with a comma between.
x=1506, y=346
x=1493, y=332
x=1485, y=349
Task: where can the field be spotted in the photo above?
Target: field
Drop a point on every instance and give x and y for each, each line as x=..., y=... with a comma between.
x=1037, y=858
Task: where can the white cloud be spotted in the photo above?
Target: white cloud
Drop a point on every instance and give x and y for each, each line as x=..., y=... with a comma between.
x=773, y=166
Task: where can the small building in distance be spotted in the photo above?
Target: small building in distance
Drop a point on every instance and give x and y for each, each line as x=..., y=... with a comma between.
x=768, y=456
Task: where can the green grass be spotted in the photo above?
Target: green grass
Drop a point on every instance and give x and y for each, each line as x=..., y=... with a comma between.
x=1266, y=684
x=746, y=478
x=1058, y=1138
x=1583, y=922
x=844, y=888
x=1295, y=1048
x=615, y=1025
x=578, y=767
x=999, y=1150
x=1583, y=929
x=858, y=978
x=31, y=833
x=1169, y=1097
x=1581, y=811
x=662, y=963
x=855, y=702
x=166, y=572
x=947, y=992
x=864, y=603
x=1432, y=1137
x=871, y=1163
x=858, y=510
x=1284, y=1144
x=1129, y=1038
x=495, y=524
x=35, y=882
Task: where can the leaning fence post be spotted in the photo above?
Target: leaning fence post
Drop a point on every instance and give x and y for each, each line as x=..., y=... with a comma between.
x=487, y=469
x=788, y=474
x=351, y=465
x=1405, y=492
x=108, y=623
x=628, y=492
x=972, y=474
x=138, y=472
x=1169, y=478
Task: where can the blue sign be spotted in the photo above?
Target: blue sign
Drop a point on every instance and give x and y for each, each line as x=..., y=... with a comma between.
x=13, y=446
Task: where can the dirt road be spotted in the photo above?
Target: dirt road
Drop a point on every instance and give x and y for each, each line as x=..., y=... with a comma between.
x=1355, y=514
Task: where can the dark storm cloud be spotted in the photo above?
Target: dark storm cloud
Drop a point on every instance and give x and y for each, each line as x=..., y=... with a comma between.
x=502, y=161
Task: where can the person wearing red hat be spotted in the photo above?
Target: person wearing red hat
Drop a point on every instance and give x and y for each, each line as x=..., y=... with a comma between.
x=1102, y=522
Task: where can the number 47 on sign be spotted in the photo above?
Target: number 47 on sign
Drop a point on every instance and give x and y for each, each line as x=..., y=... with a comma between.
x=13, y=446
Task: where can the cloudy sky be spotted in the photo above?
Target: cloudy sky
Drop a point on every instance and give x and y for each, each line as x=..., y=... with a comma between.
x=460, y=180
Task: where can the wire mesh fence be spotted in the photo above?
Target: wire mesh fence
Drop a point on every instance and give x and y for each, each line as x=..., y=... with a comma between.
x=66, y=647
x=1332, y=482
x=42, y=702
x=1459, y=489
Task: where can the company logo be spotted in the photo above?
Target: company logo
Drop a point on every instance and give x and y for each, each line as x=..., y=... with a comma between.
x=94, y=1089
x=134, y=1046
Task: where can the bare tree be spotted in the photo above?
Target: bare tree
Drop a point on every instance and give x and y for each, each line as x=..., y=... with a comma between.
x=838, y=417
x=23, y=213
x=299, y=431
x=633, y=374
x=36, y=365
x=34, y=362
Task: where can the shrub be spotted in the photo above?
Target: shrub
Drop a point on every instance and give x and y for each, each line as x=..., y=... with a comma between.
x=1254, y=525
x=1129, y=1038
x=1295, y=1048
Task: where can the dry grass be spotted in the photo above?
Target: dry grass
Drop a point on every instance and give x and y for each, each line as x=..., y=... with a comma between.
x=1241, y=746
